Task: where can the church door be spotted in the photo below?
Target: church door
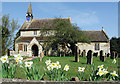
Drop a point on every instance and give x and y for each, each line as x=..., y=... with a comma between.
x=34, y=50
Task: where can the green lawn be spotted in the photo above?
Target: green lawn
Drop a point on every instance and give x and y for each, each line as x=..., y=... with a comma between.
x=73, y=71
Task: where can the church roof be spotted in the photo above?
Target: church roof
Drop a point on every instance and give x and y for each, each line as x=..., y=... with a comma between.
x=29, y=39
x=93, y=36
x=39, y=23
x=97, y=36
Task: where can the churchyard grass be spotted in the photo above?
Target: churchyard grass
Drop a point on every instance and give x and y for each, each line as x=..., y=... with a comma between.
x=73, y=71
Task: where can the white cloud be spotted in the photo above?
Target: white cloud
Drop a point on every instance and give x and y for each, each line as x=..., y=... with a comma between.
x=84, y=18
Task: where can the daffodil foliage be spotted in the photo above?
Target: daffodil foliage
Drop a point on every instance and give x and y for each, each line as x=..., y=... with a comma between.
x=32, y=72
x=55, y=72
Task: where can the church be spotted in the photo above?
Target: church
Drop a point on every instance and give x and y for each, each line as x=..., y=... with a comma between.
x=29, y=43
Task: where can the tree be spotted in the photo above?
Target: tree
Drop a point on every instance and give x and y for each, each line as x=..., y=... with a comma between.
x=64, y=33
x=114, y=44
x=8, y=29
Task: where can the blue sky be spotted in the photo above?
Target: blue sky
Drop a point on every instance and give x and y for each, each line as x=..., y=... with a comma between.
x=87, y=15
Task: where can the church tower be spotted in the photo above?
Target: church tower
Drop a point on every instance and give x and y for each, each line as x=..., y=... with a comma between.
x=29, y=14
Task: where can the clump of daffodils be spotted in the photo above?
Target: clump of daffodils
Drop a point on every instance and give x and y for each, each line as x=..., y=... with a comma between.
x=81, y=69
x=114, y=61
x=52, y=65
x=29, y=64
x=55, y=72
x=101, y=70
x=4, y=59
x=55, y=65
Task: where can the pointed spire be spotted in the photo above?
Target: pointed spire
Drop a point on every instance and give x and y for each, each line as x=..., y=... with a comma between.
x=29, y=12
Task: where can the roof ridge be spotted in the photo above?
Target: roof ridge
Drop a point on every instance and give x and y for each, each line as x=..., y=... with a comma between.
x=91, y=31
x=105, y=34
x=49, y=19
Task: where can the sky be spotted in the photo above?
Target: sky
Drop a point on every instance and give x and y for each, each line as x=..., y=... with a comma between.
x=89, y=16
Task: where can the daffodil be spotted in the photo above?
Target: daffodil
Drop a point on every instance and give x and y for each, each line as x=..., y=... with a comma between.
x=101, y=66
x=50, y=67
x=53, y=65
x=100, y=72
x=28, y=64
x=66, y=68
x=105, y=71
x=58, y=65
x=81, y=69
x=114, y=61
x=114, y=73
x=4, y=59
x=48, y=62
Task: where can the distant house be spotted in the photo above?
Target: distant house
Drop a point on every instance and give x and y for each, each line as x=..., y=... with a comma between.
x=29, y=42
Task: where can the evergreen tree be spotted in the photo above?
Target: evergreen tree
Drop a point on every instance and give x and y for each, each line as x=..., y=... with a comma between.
x=115, y=44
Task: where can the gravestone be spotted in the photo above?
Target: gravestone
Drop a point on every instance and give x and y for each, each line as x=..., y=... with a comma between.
x=84, y=53
x=102, y=58
x=112, y=55
x=101, y=54
x=108, y=55
x=116, y=54
x=95, y=54
x=76, y=54
x=89, y=57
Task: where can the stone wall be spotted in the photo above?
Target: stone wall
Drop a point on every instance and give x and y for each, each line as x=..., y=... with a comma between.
x=86, y=47
x=23, y=81
x=23, y=53
x=29, y=46
x=29, y=33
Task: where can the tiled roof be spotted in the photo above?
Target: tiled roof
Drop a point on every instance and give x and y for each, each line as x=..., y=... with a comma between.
x=96, y=35
x=39, y=23
x=29, y=39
